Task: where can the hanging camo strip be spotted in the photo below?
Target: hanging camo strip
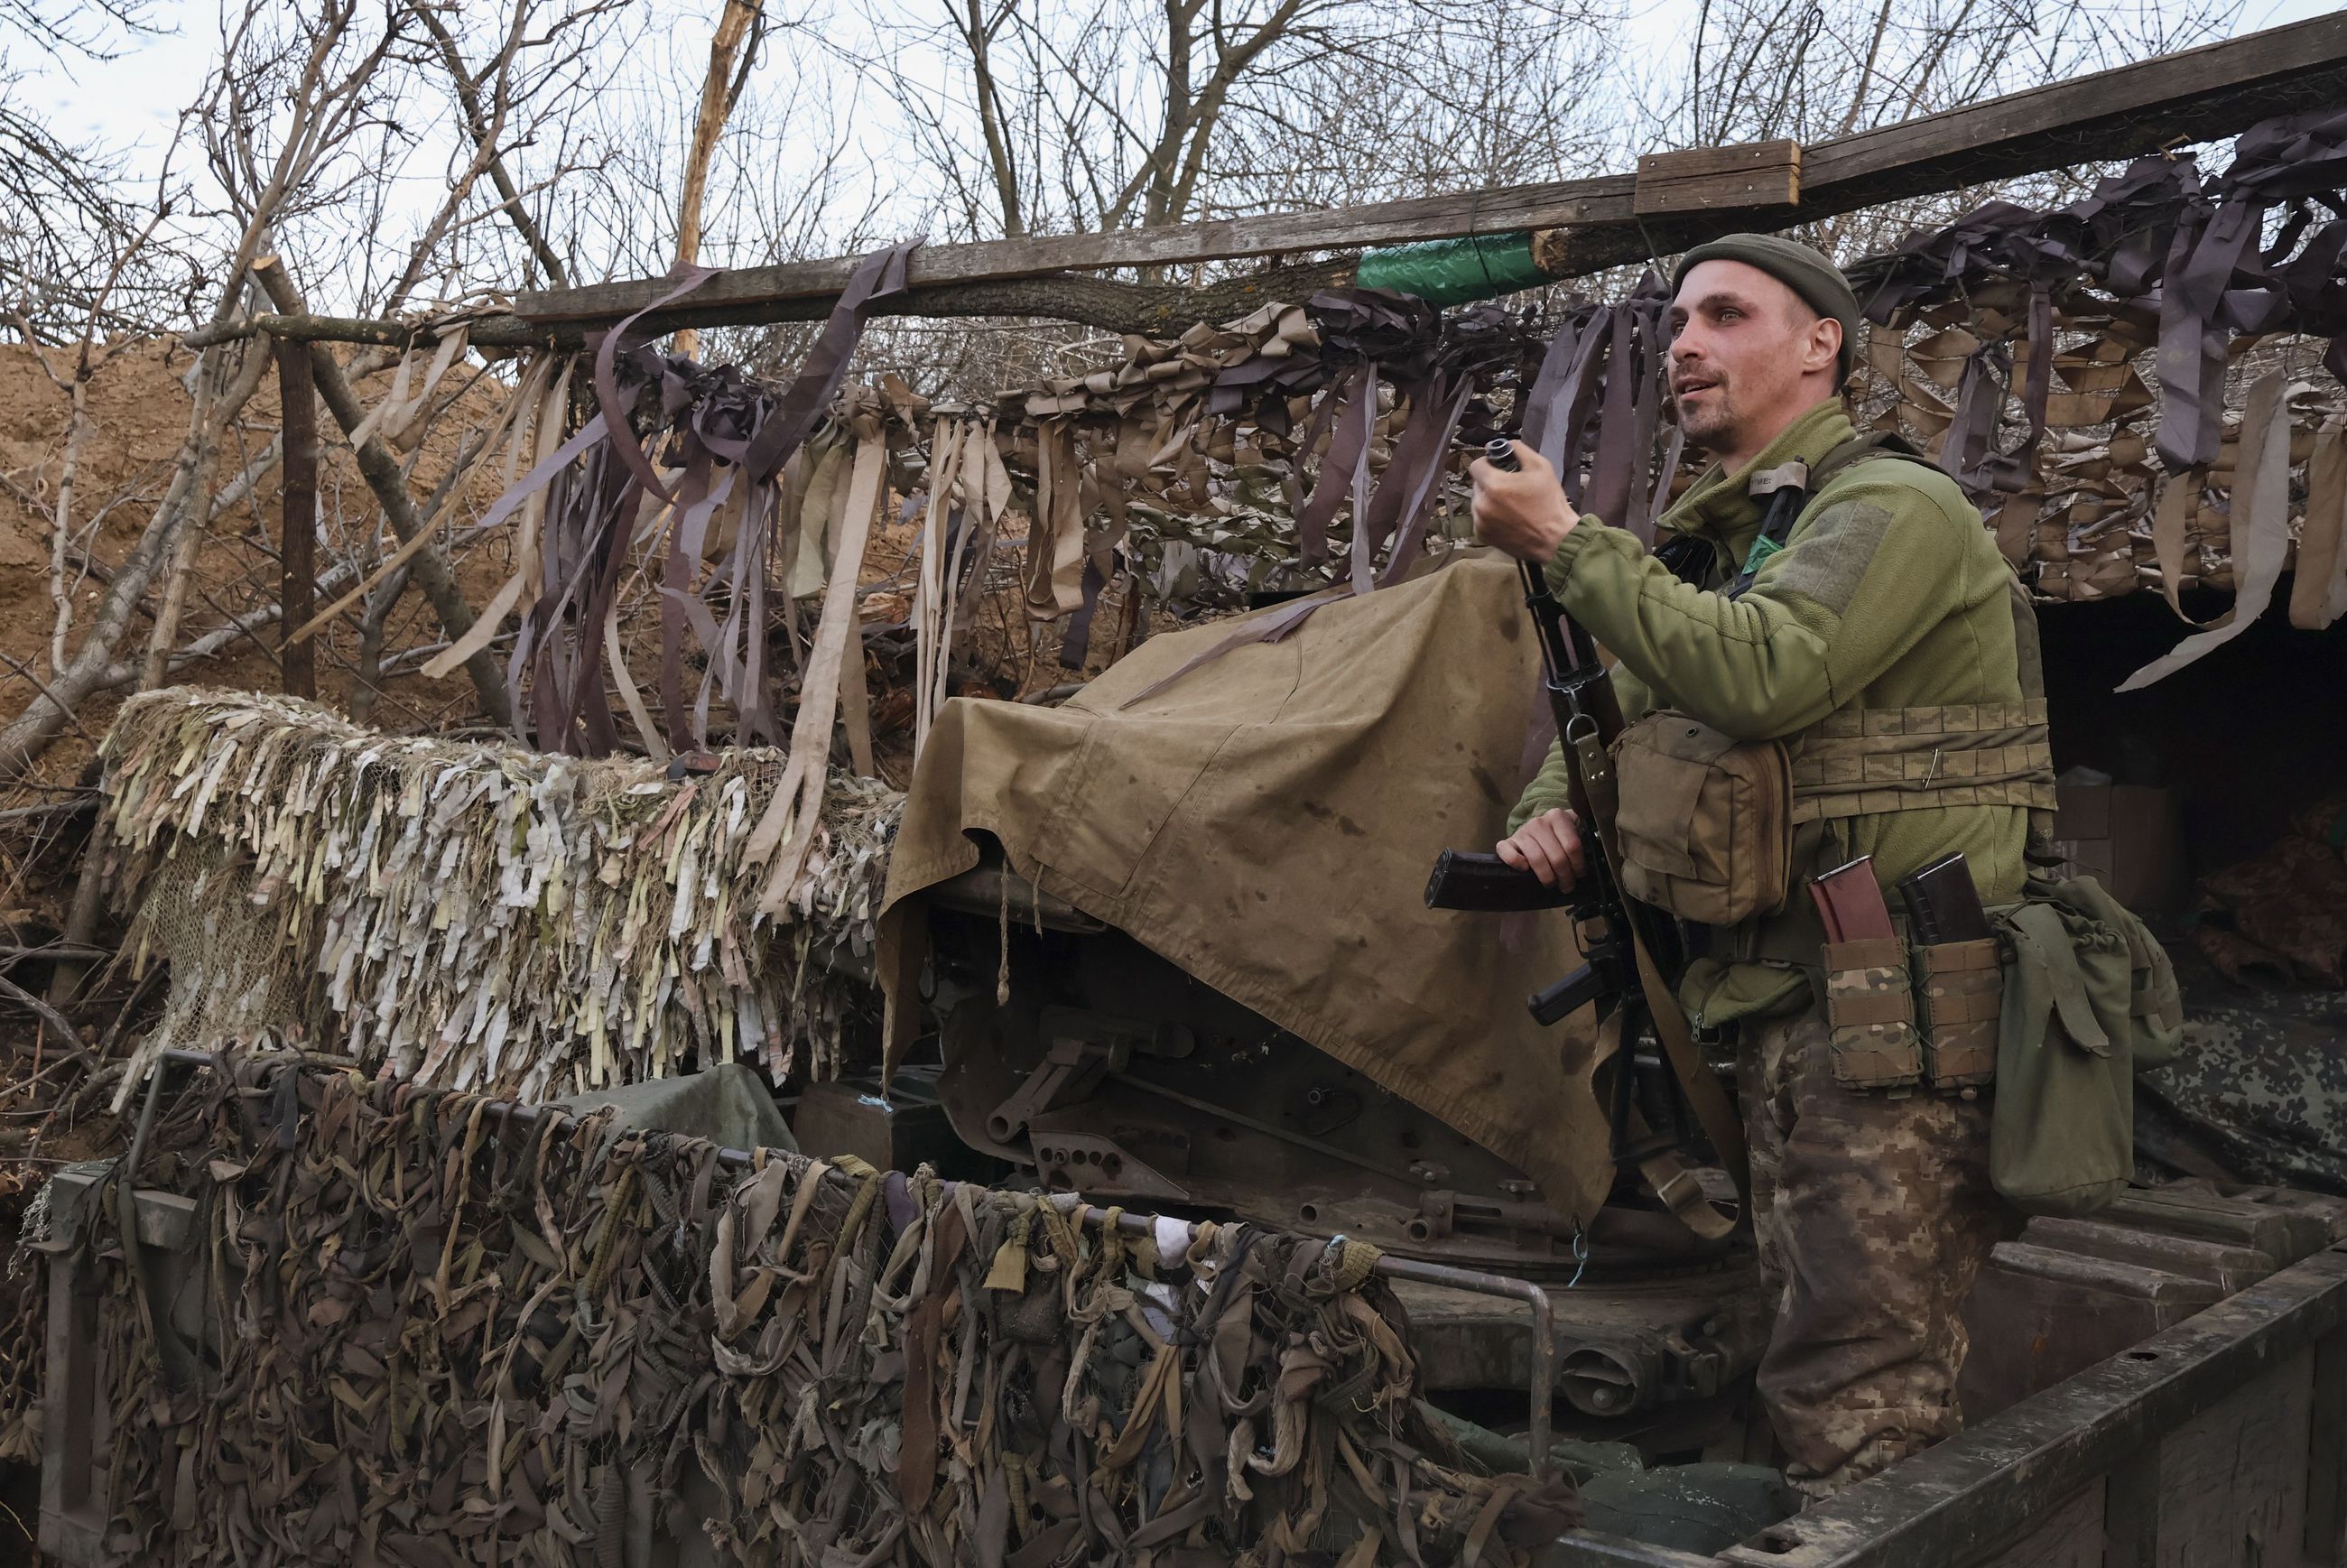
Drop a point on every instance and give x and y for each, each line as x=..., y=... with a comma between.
x=793, y=813
x=433, y=1333
x=2107, y=485
x=724, y=444
x=477, y=916
x=968, y=493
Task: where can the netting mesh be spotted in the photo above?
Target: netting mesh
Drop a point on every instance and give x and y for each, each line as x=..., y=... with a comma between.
x=236, y=972
x=479, y=916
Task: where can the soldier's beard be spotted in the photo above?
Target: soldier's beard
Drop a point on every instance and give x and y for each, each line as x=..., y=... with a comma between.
x=1711, y=423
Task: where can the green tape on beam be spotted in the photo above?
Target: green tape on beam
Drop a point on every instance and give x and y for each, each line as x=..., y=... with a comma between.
x=1452, y=271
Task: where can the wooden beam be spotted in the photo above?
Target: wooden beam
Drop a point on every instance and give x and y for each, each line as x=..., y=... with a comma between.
x=1107, y=304
x=1752, y=175
x=1604, y=198
x=2214, y=90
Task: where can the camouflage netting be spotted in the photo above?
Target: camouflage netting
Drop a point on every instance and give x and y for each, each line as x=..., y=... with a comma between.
x=22, y=1319
x=2257, y=1093
x=477, y=916
x=435, y=1335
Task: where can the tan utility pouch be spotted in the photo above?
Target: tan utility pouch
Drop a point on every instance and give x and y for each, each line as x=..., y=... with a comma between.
x=1871, y=1005
x=1705, y=821
x=1959, y=986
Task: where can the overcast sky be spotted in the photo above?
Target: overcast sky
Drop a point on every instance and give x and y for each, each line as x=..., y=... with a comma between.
x=129, y=104
x=133, y=100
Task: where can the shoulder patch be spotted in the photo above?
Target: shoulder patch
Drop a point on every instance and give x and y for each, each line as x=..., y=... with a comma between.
x=1828, y=560
x=1901, y=475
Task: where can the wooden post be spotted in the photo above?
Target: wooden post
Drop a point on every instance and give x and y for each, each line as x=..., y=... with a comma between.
x=297, y=544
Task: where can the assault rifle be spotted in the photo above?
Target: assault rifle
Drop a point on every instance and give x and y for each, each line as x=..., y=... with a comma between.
x=1588, y=719
x=1631, y=953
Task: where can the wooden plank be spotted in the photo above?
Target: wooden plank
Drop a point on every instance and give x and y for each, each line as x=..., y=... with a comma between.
x=1594, y=1548
x=2131, y=1519
x=2079, y=105
x=1950, y=1507
x=2110, y=114
x=2128, y=1281
x=77, y=1417
x=2070, y=1535
x=2284, y=1236
x=2229, y=1268
x=2326, y=1456
x=2232, y=1480
x=2029, y=1333
x=1751, y=175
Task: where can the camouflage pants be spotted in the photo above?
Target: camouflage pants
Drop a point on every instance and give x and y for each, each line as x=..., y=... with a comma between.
x=1873, y=1217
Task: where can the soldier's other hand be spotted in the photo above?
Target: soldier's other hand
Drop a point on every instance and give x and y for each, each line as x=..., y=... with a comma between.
x=1524, y=512
x=1549, y=846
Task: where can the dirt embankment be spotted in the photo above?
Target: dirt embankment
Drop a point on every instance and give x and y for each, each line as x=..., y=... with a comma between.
x=139, y=412
x=138, y=406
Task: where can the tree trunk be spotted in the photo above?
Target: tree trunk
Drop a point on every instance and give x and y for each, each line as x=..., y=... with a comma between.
x=1164, y=310
x=716, y=103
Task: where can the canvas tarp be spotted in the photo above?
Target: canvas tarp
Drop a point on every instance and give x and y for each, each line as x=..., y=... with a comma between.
x=1267, y=820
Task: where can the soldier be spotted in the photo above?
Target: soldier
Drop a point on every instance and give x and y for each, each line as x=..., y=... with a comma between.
x=1873, y=1209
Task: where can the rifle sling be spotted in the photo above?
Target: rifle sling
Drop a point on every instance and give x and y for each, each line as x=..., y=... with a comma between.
x=1713, y=1112
x=1671, y=1179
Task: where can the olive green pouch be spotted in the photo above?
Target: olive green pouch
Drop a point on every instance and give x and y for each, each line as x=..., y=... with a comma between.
x=2155, y=1006
x=2089, y=1000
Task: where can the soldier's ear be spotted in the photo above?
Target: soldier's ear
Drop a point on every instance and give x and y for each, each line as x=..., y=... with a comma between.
x=1825, y=345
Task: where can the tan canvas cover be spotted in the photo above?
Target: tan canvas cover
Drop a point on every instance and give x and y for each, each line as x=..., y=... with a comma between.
x=1267, y=821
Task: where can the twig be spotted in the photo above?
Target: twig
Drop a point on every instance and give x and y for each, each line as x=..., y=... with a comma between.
x=42, y=687
x=25, y=498
x=49, y=808
x=237, y=387
x=56, y=1020
x=129, y=1007
x=485, y=138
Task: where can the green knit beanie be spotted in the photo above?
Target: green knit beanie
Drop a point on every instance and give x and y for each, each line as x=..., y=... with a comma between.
x=1798, y=267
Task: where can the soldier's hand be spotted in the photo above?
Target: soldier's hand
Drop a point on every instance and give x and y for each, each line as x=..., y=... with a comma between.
x=1549, y=846
x=1524, y=512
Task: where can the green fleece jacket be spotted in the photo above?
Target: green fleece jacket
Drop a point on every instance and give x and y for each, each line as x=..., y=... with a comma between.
x=1888, y=594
